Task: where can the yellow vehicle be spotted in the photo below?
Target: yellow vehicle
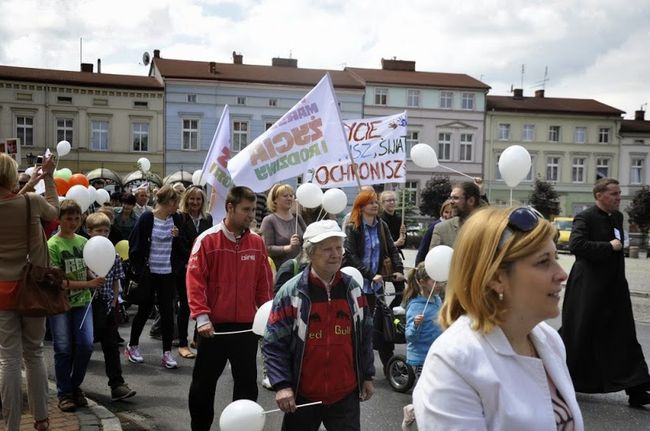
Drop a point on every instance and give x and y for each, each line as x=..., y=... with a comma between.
x=563, y=225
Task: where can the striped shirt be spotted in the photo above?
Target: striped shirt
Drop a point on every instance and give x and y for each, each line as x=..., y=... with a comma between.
x=161, y=246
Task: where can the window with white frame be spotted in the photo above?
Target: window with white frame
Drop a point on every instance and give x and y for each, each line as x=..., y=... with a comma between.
x=637, y=170
x=602, y=168
x=411, y=192
x=241, y=100
x=381, y=96
x=580, y=135
x=504, y=132
x=25, y=130
x=467, y=101
x=239, y=135
x=99, y=138
x=446, y=99
x=578, y=170
x=273, y=102
x=412, y=138
x=497, y=172
x=64, y=131
x=554, y=133
x=140, y=136
x=191, y=98
x=466, y=143
x=444, y=146
x=553, y=168
x=528, y=133
x=413, y=98
x=268, y=125
x=603, y=135
x=190, y=134
x=531, y=171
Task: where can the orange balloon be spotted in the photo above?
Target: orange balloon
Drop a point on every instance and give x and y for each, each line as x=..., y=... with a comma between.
x=62, y=186
x=78, y=179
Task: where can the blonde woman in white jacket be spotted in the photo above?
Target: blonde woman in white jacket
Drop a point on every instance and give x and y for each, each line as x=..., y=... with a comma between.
x=498, y=366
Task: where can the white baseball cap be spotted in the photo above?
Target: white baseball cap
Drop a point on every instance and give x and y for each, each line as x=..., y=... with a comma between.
x=321, y=230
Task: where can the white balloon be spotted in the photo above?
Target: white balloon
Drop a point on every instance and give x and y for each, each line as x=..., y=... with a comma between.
x=514, y=165
x=334, y=201
x=261, y=317
x=354, y=273
x=99, y=255
x=63, y=148
x=242, y=415
x=438, y=261
x=80, y=195
x=103, y=196
x=144, y=164
x=309, y=195
x=424, y=156
x=198, y=179
x=92, y=192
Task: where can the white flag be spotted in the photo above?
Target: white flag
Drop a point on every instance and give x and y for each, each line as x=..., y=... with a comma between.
x=215, y=166
x=378, y=146
x=309, y=135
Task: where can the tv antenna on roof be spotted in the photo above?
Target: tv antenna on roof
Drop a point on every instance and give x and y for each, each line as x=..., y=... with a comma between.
x=146, y=58
x=543, y=81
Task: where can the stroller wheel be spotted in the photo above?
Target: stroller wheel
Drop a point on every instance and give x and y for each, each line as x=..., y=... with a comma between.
x=400, y=375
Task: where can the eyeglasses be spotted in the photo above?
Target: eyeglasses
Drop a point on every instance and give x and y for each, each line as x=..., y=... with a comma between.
x=523, y=219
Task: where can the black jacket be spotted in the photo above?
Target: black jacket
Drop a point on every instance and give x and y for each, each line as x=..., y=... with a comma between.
x=140, y=244
x=188, y=233
x=355, y=249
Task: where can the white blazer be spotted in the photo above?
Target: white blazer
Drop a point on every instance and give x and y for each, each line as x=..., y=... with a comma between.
x=472, y=381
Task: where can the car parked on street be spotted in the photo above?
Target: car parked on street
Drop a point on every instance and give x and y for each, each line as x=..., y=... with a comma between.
x=563, y=225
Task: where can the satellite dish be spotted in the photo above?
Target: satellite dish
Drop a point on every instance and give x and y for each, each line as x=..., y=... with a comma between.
x=146, y=58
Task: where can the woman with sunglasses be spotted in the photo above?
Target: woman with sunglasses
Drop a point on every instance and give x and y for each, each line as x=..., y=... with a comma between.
x=498, y=365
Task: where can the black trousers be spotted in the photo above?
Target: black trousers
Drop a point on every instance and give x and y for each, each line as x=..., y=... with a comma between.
x=105, y=331
x=162, y=285
x=212, y=354
x=343, y=415
x=183, y=314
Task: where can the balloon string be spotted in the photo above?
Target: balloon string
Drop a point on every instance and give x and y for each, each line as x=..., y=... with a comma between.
x=458, y=172
x=298, y=406
x=425, y=306
x=511, y=196
x=319, y=213
x=88, y=309
x=232, y=332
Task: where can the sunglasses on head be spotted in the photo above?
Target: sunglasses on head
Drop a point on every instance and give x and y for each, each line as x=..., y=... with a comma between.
x=523, y=219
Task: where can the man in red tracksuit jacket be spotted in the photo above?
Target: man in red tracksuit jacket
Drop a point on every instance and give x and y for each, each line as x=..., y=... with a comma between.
x=228, y=278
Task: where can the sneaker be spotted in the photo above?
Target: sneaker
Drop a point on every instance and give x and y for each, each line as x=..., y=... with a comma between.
x=168, y=360
x=66, y=404
x=132, y=353
x=79, y=398
x=121, y=392
x=266, y=383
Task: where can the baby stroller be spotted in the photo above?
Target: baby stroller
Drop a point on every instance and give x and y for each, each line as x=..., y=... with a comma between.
x=400, y=375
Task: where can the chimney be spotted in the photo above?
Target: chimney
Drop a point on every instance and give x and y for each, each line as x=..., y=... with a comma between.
x=518, y=93
x=394, y=64
x=156, y=53
x=87, y=67
x=639, y=115
x=213, y=68
x=237, y=58
x=539, y=94
x=99, y=65
x=284, y=62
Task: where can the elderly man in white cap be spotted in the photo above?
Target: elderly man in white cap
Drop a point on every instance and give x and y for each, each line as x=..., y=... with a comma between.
x=318, y=341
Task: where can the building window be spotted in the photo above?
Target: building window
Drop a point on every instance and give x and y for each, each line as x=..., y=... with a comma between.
x=239, y=135
x=413, y=98
x=241, y=100
x=444, y=146
x=412, y=138
x=273, y=102
x=602, y=168
x=528, y=134
x=639, y=142
x=190, y=135
x=411, y=192
x=554, y=133
x=531, y=173
x=191, y=98
x=446, y=99
x=636, y=171
x=553, y=169
x=140, y=136
x=467, y=101
x=140, y=104
x=64, y=130
x=67, y=100
x=603, y=135
x=504, y=132
x=381, y=96
x=581, y=135
x=268, y=125
x=497, y=172
x=99, y=135
x=25, y=130
x=578, y=170
x=466, y=147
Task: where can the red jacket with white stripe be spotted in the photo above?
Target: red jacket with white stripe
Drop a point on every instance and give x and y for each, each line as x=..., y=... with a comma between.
x=227, y=277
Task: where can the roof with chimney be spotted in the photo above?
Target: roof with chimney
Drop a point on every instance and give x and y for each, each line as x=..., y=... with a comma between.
x=403, y=73
x=638, y=125
x=282, y=72
x=556, y=105
x=83, y=79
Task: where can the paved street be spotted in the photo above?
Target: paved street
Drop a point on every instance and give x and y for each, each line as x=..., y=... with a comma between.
x=161, y=402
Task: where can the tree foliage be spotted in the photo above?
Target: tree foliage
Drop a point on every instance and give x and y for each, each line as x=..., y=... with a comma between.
x=435, y=192
x=639, y=209
x=545, y=199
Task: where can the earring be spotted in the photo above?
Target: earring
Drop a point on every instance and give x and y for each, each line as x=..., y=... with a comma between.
x=500, y=296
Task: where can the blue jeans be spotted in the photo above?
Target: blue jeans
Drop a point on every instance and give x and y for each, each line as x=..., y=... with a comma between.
x=72, y=347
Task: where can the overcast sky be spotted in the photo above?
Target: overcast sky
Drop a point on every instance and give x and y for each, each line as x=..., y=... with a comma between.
x=595, y=49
